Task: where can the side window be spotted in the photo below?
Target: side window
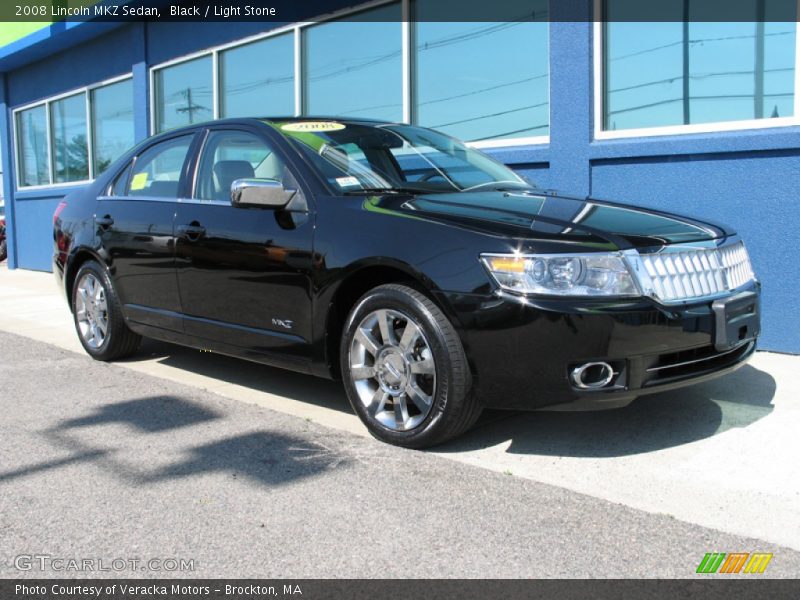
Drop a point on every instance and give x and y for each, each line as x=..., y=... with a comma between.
x=157, y=171
x=232, y=155
x=121, y=182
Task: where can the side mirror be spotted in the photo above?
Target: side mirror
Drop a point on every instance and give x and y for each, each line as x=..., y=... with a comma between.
x=265, y=193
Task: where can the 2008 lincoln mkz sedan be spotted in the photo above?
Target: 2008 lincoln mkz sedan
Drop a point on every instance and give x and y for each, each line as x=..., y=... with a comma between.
x=431, y=279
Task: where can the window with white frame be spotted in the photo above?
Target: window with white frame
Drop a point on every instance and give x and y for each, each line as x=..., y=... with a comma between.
x=478, y=81
x=33, y=156
x=353, y=67
x=74, y=137
x=69, y=139
x=184, y=93
x=685, y=72
x=481, y=81
x=257, y=78
x=112, y=122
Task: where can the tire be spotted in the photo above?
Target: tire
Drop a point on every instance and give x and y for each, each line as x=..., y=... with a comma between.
x=414, y=389
x=94, y=303
x=3, y=250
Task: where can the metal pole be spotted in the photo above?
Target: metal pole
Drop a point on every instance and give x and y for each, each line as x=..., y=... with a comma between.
x=758, y=69
x=606, y=66
x=686, y=99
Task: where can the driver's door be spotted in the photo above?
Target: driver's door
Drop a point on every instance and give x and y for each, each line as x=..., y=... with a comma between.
x=244, y=274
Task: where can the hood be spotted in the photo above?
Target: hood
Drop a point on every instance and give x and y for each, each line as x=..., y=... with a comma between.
x=544, y=217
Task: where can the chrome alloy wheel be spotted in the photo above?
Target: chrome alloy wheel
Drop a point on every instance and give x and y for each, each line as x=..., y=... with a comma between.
x=392, y=369
x=91, y=310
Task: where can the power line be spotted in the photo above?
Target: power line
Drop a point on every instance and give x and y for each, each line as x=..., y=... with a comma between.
x=462, y=95
x=697, y=76
x=508, y=133
x=712, y=97
x=697, y=41
x=496, y=114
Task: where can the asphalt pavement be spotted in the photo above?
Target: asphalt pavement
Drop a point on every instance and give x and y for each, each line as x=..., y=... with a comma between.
x=107, y=464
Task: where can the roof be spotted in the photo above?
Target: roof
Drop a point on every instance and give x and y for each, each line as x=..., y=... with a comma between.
x=177, y=131
x=274, y=121
x=339, y=118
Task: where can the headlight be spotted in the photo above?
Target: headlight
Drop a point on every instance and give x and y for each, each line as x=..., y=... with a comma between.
x=562, y=274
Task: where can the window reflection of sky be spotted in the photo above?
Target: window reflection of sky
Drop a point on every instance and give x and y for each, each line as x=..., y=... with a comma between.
x=735, y=71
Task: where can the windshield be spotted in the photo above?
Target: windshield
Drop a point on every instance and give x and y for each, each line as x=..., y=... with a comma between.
x=360, y=157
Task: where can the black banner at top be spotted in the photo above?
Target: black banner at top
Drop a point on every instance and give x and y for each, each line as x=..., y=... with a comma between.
x=291, y=11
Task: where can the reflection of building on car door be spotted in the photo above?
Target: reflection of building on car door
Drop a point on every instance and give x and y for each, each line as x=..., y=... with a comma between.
x=3, y=244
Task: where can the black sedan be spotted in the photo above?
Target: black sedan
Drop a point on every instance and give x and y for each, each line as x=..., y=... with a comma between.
x=431, y=279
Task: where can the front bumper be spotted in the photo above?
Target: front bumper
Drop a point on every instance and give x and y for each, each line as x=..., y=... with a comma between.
x=522, y=351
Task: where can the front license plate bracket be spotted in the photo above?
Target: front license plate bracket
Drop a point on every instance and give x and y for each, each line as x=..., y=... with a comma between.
x=736, y=320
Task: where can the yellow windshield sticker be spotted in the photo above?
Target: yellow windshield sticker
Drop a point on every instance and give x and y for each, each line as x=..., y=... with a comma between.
x=312, y=126
x=139, y=181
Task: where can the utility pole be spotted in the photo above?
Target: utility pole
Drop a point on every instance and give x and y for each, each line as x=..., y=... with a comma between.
x=686, y=91
x=758, y=69
x=190, y=107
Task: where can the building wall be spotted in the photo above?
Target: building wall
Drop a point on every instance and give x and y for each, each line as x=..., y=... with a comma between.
x=746, y=178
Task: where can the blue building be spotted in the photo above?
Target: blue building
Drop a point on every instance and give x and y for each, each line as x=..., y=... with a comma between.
x=700, y=118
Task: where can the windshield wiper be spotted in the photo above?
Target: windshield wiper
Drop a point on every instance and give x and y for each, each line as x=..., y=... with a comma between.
x=499, y=186
x=391, y=190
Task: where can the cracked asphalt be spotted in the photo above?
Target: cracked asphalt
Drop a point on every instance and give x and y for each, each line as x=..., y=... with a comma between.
x=102, y=462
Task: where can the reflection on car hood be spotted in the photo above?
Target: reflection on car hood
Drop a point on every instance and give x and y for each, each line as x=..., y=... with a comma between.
x=557, y=218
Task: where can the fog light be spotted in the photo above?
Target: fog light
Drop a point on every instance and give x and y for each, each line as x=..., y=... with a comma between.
x=592, y=375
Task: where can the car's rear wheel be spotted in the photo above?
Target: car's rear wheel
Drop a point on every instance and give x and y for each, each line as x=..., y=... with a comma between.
x=404, y=369
x=3, y=250
x=98, y=316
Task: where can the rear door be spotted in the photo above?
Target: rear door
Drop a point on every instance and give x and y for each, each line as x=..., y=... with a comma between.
x=135, y=228
x=245, y=273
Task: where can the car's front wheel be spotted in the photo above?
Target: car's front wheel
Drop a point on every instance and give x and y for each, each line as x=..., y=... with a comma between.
x=404, y=369
x=98, y=316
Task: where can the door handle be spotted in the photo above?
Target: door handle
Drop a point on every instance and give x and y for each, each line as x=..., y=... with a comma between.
x=104, y=222
x=192, y=232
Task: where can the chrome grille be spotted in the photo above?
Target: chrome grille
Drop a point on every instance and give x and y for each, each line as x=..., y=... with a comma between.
x=675, y=274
